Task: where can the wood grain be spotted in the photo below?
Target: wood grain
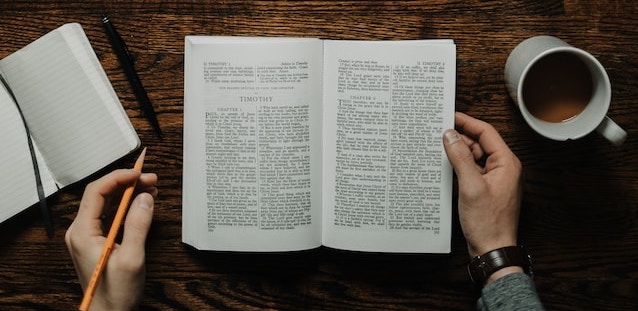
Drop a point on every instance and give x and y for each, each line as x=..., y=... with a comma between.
x=580, y=210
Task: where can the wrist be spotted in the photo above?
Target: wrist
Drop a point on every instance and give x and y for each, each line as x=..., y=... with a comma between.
x=479, y=249
x=492, y=265
x=503, y=272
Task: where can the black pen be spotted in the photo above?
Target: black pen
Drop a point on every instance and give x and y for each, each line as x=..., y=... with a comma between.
x=127, y=63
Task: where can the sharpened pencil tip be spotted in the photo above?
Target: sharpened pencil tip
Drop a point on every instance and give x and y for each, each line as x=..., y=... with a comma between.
x=140, y=160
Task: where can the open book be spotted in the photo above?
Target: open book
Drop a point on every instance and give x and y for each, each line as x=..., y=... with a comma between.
x=294, y=143
x=75, y=119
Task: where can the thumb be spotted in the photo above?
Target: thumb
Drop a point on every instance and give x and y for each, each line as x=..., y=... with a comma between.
x=138, y=222
x=460, y=157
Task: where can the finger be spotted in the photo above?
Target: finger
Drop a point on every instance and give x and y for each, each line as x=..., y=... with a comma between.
x=147, y=180
x=138, y=221
x=475, y=148
x=97, y=193
x=486, y=135
x=461, y=158
x=147, y=183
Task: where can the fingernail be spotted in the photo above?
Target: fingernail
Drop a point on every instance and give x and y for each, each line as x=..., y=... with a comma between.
x=144, y=201
x=451, y=136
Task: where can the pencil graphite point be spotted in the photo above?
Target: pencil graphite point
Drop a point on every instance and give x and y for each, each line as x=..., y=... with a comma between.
x=140, y=160
x=110, y=238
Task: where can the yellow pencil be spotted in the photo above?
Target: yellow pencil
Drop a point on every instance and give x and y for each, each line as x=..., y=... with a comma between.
x=110, y=238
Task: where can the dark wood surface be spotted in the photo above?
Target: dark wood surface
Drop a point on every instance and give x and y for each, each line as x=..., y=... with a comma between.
x=580, y=211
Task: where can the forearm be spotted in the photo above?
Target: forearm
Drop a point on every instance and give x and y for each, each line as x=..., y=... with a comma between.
x=514, y=291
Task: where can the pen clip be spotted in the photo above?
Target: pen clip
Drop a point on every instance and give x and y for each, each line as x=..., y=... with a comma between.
x=107, y=21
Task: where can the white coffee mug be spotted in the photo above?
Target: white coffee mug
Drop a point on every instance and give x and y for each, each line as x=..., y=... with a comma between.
x=594, y=114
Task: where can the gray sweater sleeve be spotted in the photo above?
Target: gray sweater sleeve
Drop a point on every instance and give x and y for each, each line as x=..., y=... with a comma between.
x=514, y=291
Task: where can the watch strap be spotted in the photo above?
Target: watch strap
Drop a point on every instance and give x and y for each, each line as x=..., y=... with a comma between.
x=481, y=267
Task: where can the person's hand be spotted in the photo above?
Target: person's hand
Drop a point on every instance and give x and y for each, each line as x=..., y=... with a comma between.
x=122, y=283
x=490, y=186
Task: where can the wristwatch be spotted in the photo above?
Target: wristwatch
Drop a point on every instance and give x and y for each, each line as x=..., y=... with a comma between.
x=481, y=267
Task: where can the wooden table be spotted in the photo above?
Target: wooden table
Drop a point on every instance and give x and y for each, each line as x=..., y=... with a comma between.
x=580, y=210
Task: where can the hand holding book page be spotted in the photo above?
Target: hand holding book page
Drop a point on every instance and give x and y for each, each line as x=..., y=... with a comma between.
x=76, y=121
x=294, y=143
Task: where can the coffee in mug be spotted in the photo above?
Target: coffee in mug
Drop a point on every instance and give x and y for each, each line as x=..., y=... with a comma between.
x=557, y=88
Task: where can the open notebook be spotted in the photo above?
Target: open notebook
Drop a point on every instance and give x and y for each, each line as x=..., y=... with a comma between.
x=76, y=121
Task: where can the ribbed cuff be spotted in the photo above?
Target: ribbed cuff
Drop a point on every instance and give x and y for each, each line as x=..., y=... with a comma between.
x=514, y=291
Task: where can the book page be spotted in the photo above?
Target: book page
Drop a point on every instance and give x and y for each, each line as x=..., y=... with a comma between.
x=387, y=180
x=73, y=114
x=252, y=138
x=17, y=180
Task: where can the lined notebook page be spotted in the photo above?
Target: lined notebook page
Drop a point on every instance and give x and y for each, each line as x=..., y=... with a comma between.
x=17, y=179
x=72, y=111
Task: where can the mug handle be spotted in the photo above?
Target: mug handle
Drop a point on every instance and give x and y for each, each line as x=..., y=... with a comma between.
x=610, y=130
